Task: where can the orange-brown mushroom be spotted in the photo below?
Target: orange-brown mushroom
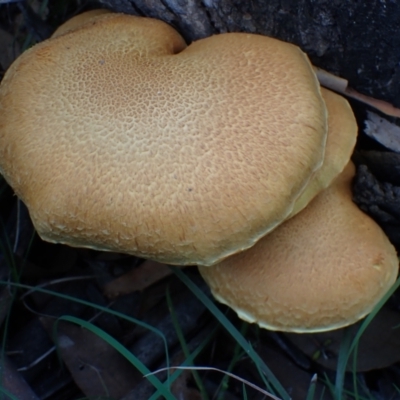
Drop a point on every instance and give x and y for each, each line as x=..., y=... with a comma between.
x=323, y=269
x=78, y=21
x=342, y=136
x=119, y=137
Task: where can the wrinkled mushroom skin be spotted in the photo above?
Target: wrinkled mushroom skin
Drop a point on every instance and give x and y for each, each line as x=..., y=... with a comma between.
x=119, y=137
x=323, y=269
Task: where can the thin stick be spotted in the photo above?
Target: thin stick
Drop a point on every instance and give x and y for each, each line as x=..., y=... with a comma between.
x=340, y=85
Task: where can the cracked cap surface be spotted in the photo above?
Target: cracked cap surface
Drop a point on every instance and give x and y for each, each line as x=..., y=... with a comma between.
x=120, y=137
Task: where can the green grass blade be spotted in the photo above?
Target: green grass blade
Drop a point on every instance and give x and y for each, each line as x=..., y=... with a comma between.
x=188, y=362
x=244, y=391
x=96, y=307
x=342, y=363
x=237, y=354
x=184, y=346
x=9, y=395
x=312, y=387
x=238, y=378
x=123, y=351
x=354, y=344
x=246, y=346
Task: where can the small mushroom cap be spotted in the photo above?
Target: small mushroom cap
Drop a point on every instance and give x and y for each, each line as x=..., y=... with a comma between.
x=323, y=269
x=342, y=137
x=119, y=137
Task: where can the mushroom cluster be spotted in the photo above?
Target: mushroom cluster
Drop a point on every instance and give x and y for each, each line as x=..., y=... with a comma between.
x=323, y=269
x=120, y=137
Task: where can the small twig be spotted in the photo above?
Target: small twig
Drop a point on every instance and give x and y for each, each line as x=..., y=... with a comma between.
x=54, y=282
x=37, y=360
x=340, y=85
x=46, y=284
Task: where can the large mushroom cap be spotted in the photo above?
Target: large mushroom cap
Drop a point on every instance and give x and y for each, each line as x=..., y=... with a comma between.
x=323, y=269
x=117, y=137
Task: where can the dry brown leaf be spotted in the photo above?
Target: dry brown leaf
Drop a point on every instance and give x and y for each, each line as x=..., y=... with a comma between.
x=14, y=383
x=293, y=379
x=378, y=347
x=138, y=278
x=96, y=367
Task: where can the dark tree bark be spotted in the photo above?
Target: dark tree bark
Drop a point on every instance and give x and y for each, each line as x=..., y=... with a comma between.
x=355, y=39
x=379, y=199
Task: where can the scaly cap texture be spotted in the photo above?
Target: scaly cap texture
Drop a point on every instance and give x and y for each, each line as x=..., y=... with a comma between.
x=119, y=137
